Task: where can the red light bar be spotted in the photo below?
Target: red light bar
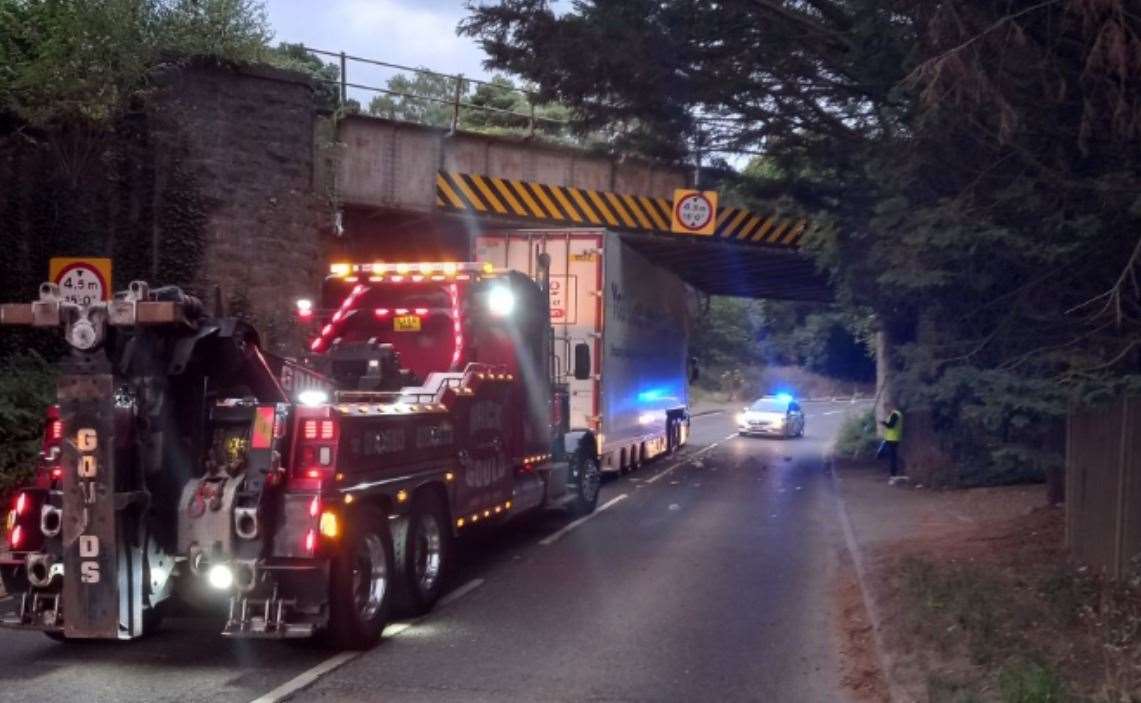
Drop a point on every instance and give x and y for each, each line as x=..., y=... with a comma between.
x=381, y=312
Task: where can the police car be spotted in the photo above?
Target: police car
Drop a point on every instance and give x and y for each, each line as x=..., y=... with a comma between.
x=772, y=415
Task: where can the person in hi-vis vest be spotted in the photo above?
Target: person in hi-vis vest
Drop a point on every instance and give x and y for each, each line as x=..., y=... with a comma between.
x=892, y=436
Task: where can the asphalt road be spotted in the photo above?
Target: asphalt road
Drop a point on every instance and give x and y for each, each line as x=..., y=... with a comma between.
x=706, y=577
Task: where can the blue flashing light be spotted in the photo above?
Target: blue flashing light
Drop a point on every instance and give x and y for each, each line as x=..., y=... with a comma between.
x=784, y=397
x=650, y=395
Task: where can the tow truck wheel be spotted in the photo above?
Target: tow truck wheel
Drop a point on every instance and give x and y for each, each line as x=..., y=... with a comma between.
x=427, y=554
x=360, y=593
x=588, y=479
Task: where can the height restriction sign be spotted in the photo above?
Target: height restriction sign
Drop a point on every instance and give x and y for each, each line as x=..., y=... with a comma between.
x=694, y=212
x=81, y=280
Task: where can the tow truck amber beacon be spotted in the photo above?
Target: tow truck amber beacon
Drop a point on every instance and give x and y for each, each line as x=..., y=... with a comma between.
x=306, y=498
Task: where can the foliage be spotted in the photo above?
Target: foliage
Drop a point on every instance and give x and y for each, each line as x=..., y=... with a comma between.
x=1031, y=683
x=734, y=332
x=727, y=333
x=295, y=57
x=426, y=99
x=857, y=437
x=26, y=389
x=77, y=60
x=497, y=106
x=972, y=169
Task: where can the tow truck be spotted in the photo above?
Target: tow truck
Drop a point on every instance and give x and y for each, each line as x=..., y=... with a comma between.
x=314, y=496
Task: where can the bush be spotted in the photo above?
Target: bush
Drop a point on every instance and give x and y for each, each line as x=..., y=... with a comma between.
x=857, y=437
x=27, y=387
x=1031, y=683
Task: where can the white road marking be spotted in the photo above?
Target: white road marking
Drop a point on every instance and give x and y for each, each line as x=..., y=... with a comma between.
x=459, y=593
x=688, y=459
x=551, y=539
x=307, y=678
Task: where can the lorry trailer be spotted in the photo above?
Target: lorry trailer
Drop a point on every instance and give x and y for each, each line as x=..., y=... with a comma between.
x=631, y=318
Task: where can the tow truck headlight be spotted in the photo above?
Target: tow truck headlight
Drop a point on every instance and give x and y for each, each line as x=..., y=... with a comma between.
x=313, y=397
x=220, y=577
x=501, y=301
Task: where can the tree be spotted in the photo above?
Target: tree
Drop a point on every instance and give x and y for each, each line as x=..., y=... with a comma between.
x=426, y=98
x=325, y=75
x=497, y=106
x=75, y=60
x=975, y=164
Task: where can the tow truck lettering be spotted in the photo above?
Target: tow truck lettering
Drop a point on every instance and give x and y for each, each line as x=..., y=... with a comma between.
x=380, y=442
x=486, y=416
x=482, y=473
x=87, y=468
x=434, y=436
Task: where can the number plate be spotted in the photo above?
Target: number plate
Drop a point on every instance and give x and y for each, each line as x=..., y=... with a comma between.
x=406, y=323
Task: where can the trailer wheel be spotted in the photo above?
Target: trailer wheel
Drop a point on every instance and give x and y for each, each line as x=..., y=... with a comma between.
x=673, y=436
x=360, y=582
x=587, y=476
x=427, y=553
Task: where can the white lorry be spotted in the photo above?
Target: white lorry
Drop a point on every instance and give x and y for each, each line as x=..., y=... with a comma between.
x=623, y=318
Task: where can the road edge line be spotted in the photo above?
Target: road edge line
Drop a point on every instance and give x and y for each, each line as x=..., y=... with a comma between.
x=894, y=693
x=307, y=678
x=460, y=592
x=551, y=539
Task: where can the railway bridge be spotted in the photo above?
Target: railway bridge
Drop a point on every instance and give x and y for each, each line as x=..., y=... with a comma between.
x=410, y=191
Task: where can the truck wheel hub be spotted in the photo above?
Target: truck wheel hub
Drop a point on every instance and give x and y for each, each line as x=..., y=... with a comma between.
x=370, y=576
x=427, y=552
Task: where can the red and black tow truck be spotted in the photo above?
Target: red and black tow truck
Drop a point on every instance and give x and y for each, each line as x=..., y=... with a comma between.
x=181, y=458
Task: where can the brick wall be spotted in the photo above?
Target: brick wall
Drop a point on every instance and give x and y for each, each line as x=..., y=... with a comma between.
x=245, y=138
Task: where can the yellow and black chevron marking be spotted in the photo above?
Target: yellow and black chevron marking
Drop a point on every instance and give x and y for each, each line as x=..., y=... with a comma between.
x=491, y=195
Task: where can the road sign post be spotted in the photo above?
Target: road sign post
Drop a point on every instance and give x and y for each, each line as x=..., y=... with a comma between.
x=694, y=212
x=81, y=280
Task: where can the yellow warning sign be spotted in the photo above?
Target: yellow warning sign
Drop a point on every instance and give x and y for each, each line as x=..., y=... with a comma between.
x=81, y=280
x=694, y=212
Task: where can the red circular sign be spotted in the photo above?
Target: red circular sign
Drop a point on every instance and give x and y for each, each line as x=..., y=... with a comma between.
x=694, y=212
x=81, y=284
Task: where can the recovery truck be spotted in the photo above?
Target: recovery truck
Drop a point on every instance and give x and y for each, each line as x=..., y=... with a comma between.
x=181, y=458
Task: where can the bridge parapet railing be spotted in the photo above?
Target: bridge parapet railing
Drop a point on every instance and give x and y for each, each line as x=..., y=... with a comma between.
x=457, y=95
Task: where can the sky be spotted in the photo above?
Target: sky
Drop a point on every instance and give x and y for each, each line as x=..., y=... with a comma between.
x=408, y=32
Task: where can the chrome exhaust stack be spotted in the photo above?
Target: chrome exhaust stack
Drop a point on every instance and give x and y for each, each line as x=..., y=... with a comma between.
x=43, y=570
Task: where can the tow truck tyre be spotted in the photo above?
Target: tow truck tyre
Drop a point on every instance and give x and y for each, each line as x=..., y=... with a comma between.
x=587, y=473
x=427, y=554
x=360, y=592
